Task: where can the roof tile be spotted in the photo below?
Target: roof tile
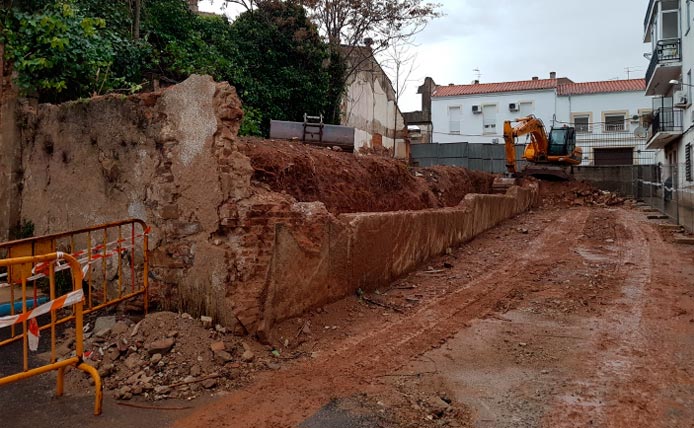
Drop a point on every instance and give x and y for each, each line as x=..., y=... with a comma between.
x=563, y=86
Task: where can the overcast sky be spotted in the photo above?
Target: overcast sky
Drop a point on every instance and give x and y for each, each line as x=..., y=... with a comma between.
x=514, y=40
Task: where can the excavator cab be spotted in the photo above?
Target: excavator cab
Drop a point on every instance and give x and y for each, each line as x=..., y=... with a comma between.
x=562, y=141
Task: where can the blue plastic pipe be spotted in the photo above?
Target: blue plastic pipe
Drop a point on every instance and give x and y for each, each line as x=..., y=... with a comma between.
x=5, y=308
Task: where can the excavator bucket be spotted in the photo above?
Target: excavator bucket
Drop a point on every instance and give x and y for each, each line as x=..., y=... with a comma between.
x=548, y=172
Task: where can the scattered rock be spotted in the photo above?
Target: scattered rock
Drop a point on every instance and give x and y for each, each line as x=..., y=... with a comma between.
x=161, y=346
x=162, y=389
x=119, y=328
x=247, y=356
x=222, y=357
x=133, y=361
x=155, y=358
x=206, y=321
x=104, y=323
x=218, y=346
x=209, y=383
x=437, y=406
x=195, y=371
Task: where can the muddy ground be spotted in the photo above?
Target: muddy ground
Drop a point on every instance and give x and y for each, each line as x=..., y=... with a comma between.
x=569, y=316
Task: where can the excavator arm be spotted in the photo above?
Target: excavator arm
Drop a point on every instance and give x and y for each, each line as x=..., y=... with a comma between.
x=536, y=149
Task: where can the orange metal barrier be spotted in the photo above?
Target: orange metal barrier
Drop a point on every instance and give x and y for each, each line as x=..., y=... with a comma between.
x=114, y=259
x=74, y=298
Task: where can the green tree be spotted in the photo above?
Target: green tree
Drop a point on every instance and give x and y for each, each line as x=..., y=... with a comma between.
x=58, y=52
x=282, y=61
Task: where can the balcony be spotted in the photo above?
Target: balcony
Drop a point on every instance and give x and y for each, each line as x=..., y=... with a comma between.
x=666, y=127
x=666, y=65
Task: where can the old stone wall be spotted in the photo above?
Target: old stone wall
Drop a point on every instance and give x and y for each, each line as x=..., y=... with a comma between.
x=221, y=244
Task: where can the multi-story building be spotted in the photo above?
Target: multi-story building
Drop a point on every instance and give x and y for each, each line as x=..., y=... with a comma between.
x=607, y=114
x=668, y=28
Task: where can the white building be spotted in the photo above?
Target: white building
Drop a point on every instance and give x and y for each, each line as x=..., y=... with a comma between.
x=669, y=78
x=668, y=28
x=370, y=104
x=606, y=114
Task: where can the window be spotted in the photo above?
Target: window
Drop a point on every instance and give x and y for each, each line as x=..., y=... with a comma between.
x=615, y=122
x=689, y=86
x=671, y=25
x=582, y=122
x=454, y=116
x=688, y=160
x=489, y=119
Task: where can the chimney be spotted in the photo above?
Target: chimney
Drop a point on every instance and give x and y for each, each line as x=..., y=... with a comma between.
x=552, y=74
x=476, y=82
x=536, y=78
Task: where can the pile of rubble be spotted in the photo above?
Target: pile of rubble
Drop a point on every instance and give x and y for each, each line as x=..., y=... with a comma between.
x=167, y=355
x=577, y=194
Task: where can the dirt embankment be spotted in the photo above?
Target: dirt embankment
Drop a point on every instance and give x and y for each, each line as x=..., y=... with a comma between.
x=348, y=183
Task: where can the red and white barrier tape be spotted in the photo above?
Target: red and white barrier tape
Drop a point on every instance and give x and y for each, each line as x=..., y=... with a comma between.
x=113, y=248
x=61, y=302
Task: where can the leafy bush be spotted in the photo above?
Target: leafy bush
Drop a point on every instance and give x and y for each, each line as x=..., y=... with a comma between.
x=58, y=52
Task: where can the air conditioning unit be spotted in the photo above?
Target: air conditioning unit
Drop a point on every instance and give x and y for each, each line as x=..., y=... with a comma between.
x=514, y=107
x=476, y=109
x=680, y=99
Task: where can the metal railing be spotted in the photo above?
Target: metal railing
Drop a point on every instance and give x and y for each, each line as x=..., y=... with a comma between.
x=667, y=120
x=666, y=50
x=114, y=259
x=70, y=299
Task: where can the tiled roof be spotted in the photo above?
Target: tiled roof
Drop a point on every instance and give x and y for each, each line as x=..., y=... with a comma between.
x=563, y=86
x=632, y=85
x=491, y=88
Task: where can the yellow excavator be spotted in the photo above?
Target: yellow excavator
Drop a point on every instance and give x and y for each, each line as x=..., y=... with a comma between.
x=547, y=156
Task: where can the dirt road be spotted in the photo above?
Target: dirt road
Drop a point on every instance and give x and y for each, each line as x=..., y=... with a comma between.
x=560, y=318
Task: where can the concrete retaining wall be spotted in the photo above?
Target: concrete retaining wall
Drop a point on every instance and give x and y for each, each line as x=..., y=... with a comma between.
x=370, y=250
x=618, y=179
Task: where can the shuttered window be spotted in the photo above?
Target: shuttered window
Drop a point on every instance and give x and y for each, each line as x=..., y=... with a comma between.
x=688, y=161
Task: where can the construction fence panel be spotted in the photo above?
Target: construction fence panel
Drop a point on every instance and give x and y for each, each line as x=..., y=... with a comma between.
x=24, y=321
x=603, y=147
x=480, y=157
x=114, y=260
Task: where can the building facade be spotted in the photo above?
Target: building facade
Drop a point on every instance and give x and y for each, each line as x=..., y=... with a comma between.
x=668, y=29
x=608, y=115
x=370, y=105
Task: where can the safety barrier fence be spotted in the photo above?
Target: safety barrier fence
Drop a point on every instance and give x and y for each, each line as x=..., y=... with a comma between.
x=23, y=268
x=668, y=188
x=113, y=260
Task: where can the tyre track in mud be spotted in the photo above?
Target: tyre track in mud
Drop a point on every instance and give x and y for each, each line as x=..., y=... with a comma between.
x=630, y=374
x=286, y=397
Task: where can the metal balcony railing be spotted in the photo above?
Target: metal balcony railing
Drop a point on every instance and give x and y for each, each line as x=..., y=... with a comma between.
x=667, y=120
x=667, y=50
